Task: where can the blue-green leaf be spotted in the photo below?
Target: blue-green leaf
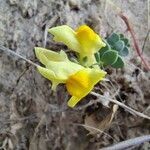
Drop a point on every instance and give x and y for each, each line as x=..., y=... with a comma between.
x=113, y=38
x=109, y=57
x=124, y=52
x=97, y=57
x=119, y=63
x=125, y=40
x=121, y=36
x=104, y=49
x=119, y=45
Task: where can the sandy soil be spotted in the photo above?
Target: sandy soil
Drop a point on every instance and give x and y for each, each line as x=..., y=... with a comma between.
x=31, y=115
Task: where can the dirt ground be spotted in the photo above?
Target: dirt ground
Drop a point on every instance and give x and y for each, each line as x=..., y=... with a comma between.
x=32, y=117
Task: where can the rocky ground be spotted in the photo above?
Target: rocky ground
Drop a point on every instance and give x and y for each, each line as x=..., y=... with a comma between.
x=31, y=115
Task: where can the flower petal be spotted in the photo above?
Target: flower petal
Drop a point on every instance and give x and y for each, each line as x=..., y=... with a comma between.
x=90, y=41
x=83, y=41
x=45, y=55
x=73, y=101
x=57, y=62
x=58, y=66
x=65, y=35
x=50, y=75
x=82, y=82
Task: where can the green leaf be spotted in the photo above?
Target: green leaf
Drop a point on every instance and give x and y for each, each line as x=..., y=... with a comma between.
x=104, y=49
x=128, y=45
x=119, y=45
x=109, y=57
x=125, y=40
x=121, y=36
x=119, y=63
x=124, y=52
x=97, y=57
x=113, y=38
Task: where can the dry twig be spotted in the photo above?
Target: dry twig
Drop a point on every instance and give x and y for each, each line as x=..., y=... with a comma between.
x=137, y=48
x=101, y=98
x=7, y=50
x=48, y=25
x=128, y=143
x=93, y=128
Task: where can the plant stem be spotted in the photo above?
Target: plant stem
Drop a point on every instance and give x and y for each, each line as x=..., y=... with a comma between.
x=129, y=109
x=128, y=143
x=15, y=54
x=138, y=50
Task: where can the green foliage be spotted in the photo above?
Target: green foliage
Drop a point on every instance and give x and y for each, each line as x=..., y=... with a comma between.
x=119, y=63
x=109, y=57
x=104, y=49
x=113, y=38
x=126, y=41
x=117, y=47
x=124, y=52
x=97, y=57
x=121, y=36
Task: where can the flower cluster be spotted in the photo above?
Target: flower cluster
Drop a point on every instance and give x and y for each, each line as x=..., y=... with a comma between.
x=79, y=78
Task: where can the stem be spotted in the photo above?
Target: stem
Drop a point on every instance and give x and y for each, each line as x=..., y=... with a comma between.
x=15, y=54
x=145, y=40
x=121, y=105
x=128, y=143
x=138, y=50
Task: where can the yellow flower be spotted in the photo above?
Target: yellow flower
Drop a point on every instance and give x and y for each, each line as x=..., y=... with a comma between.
x=82, y=82
x=83, y=41
x=58, y=68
